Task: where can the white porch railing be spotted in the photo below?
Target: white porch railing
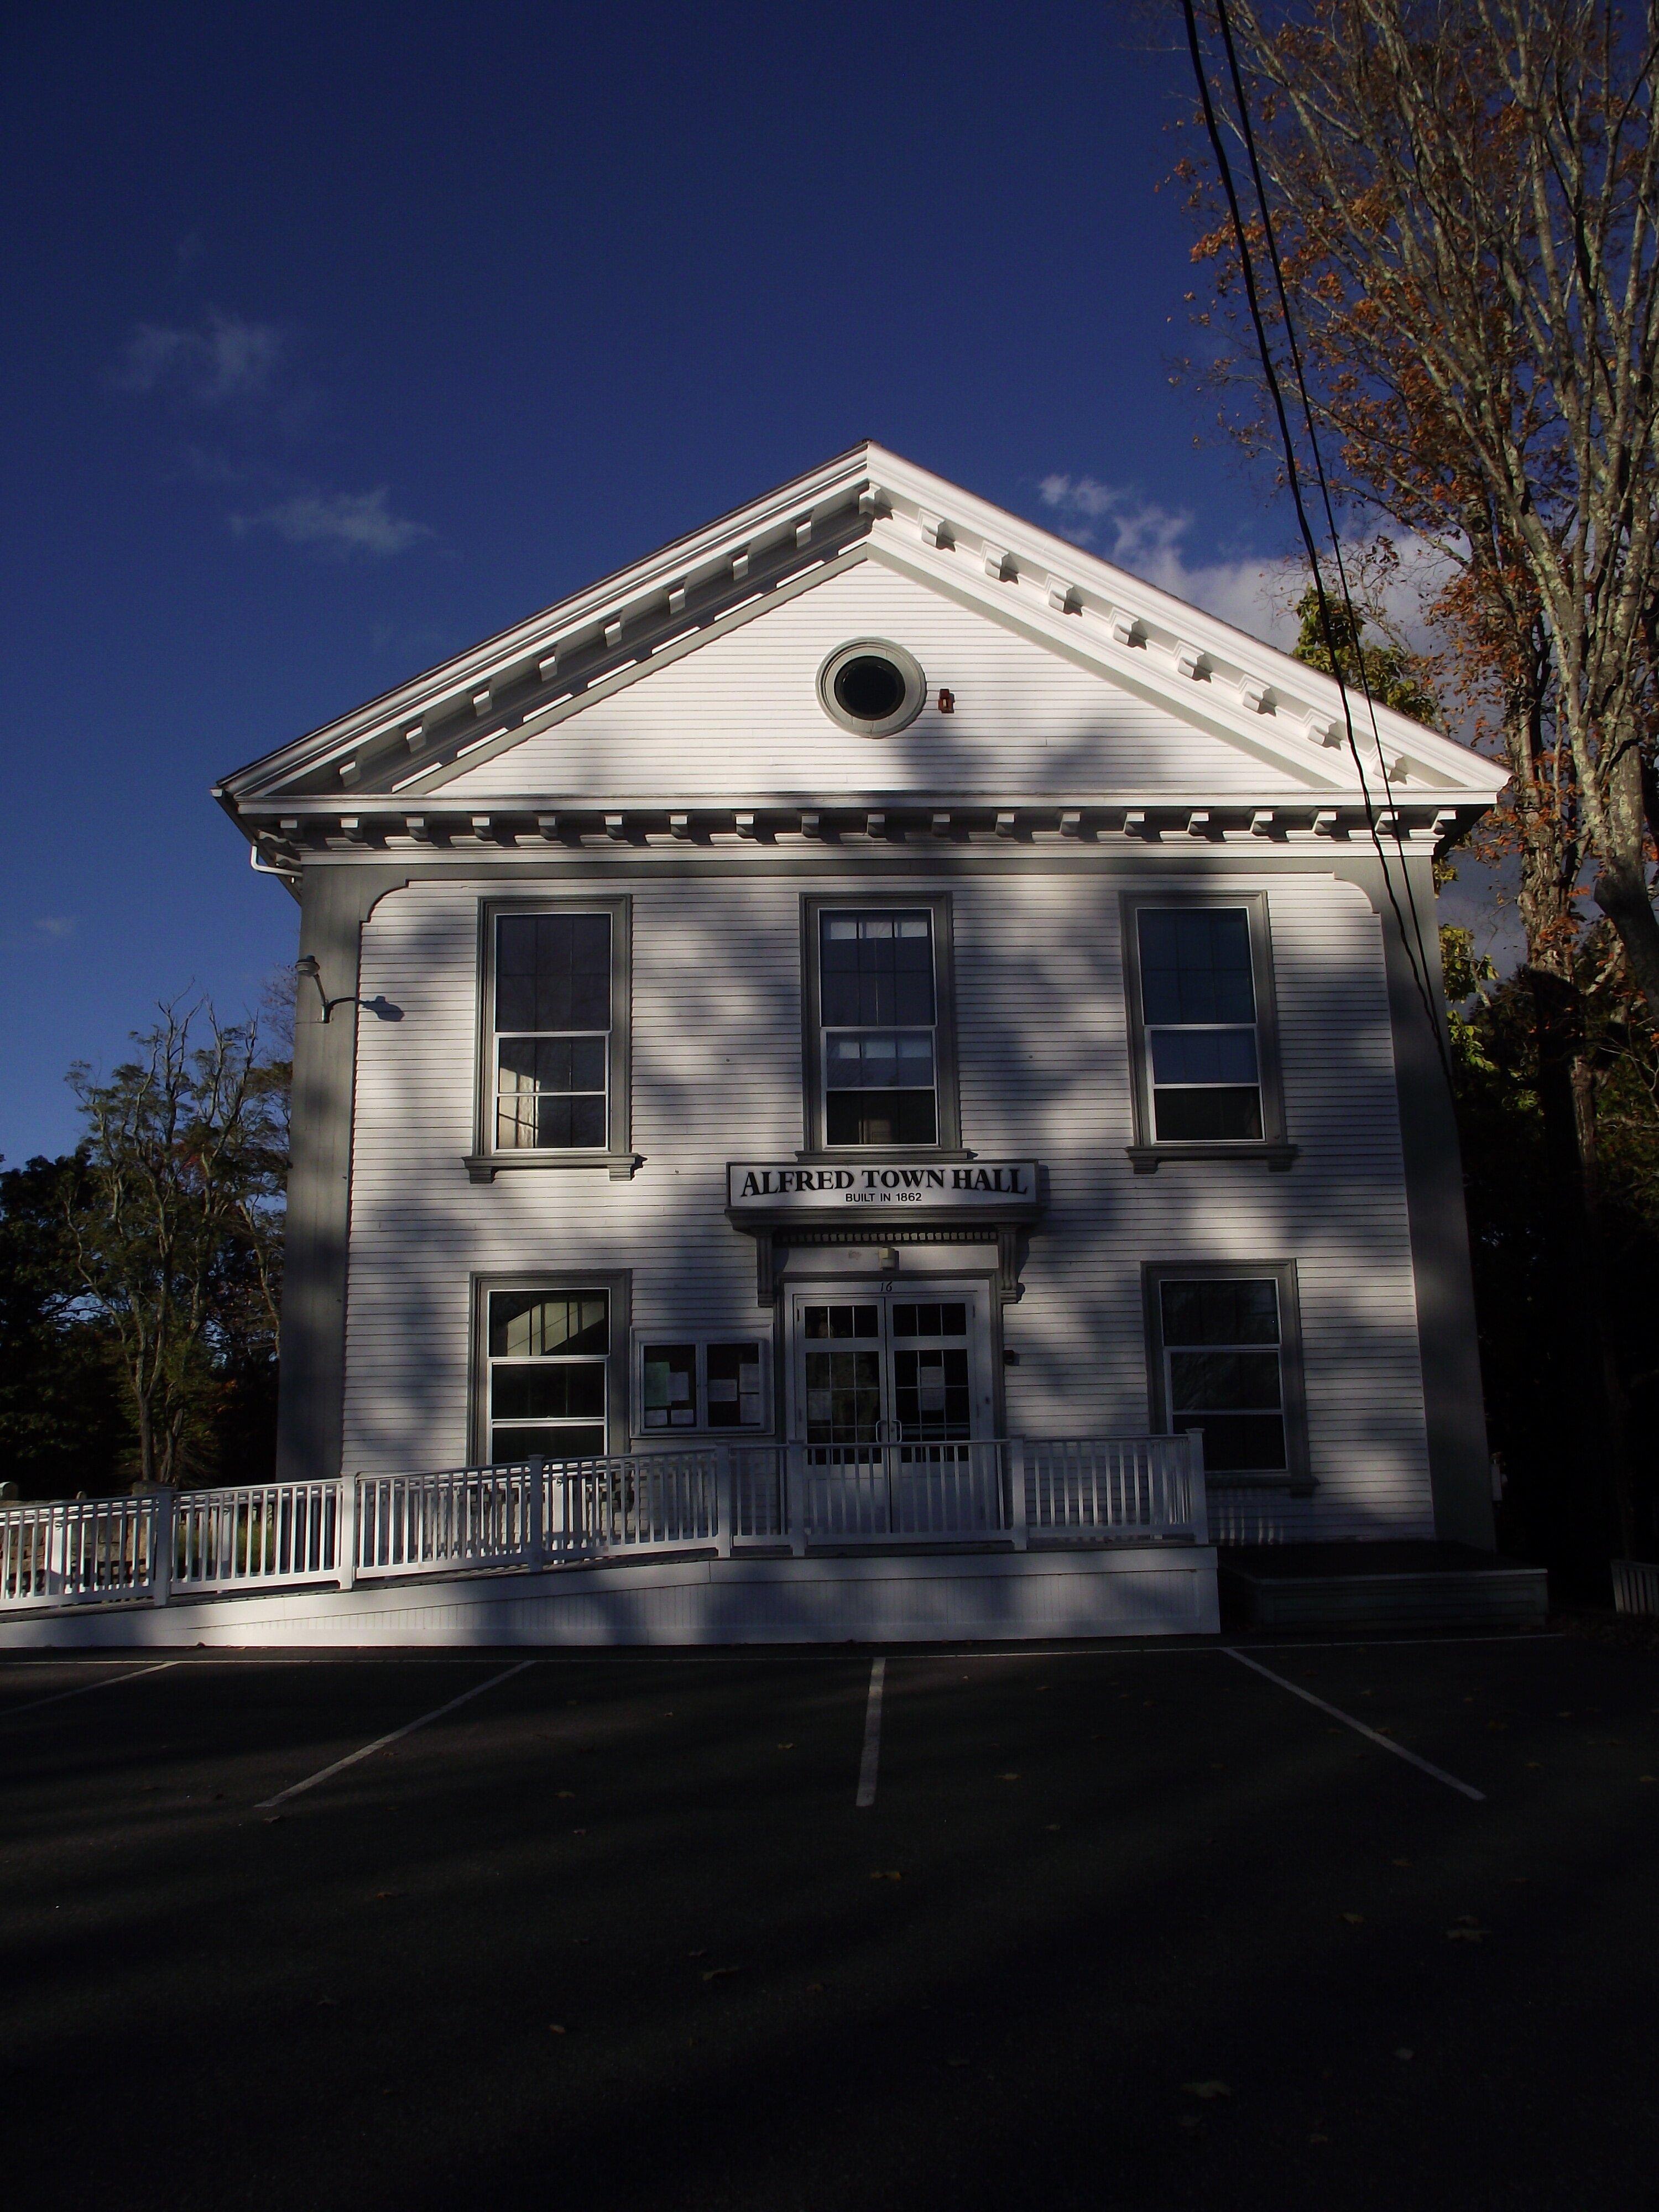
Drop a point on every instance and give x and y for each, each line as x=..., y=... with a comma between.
x=538, y=1513
x=276, y=1532
x=1148, y=1486
x=901, y=1493
x=84, y=1550
x=1635, y=1586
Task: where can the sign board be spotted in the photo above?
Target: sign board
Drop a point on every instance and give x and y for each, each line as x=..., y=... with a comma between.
x=970, y=1187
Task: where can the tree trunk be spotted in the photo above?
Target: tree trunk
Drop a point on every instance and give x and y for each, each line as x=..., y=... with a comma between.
x=146, y=1440
x=1567, y=1117
x=1618, y=1483
x=1622, y=895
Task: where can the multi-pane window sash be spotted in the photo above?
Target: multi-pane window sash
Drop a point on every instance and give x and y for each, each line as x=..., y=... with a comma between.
x=1197, y=1005
x=548, y=1357
x=1222, y=1344
x=552, y=1032
x=878, y=1009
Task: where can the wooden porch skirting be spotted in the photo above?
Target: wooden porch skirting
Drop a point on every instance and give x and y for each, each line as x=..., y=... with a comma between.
x=1144, y=1589
x=1379, y=1585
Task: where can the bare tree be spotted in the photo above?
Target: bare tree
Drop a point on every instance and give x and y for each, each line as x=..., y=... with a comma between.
x=177, y=1235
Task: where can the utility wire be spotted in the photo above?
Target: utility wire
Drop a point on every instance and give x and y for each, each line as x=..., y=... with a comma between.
x=1293, y=476
x=1272, y=238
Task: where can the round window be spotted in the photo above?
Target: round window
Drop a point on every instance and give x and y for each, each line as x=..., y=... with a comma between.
x=872, y=687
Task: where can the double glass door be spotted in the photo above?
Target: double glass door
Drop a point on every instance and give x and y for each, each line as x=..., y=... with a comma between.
x=892, y=1405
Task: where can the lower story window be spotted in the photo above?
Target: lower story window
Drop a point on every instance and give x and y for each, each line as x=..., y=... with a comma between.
x=703, y=1382
x=1221, y=1350
x=548, y=1356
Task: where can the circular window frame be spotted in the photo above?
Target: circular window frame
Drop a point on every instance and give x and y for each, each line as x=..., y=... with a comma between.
x=909, y=668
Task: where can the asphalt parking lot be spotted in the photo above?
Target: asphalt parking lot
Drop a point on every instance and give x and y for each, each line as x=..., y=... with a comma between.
x=1132, y=1927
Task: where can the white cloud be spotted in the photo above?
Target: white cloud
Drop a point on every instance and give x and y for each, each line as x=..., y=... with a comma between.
x=1139, y=535
x=1255, y=595
x=343, y=522
x=53, y=925
x=225, y=358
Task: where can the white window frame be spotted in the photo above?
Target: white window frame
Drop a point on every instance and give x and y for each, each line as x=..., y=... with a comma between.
x=617, y=1156
x=701, y=1339
x=880, y=899
x=1296, y=1476
x=1148, y=1152
x=613, y=1283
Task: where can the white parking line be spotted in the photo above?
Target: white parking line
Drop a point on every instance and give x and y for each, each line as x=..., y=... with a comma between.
x=381, y=1741
x=1358, y=1726
x=867, y=1796
x=1002, y=1654
x=87, y=1689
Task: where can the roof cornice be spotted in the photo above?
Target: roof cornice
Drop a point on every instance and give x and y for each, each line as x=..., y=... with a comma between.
x=866, y=503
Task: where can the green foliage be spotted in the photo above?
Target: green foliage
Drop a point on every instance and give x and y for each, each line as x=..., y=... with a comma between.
x=64, y=1421
x=1361, y=661
x=1467, y=973
x=1531, y=1346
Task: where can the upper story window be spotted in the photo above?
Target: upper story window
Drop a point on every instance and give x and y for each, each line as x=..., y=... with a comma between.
x=878, y=1044
x=552, y=1032
x=879, y=1008
x=553, y=1079
x=1198, y=1001
x=1201, y=1022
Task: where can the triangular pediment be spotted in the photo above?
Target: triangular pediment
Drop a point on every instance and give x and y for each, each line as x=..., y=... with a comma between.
x=692, y=680
x=741, y=718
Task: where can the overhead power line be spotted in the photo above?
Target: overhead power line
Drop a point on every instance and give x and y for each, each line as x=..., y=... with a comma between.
x=1418, y=958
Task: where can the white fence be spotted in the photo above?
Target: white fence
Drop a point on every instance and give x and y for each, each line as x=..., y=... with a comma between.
x=276, y=1532
x=900, y=1494
x=1635, y=1586
x=1135, y=1486
x=93, y=1549
x=629, y=1505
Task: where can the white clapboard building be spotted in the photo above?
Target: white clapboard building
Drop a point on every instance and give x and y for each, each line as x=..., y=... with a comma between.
x=870, y=1075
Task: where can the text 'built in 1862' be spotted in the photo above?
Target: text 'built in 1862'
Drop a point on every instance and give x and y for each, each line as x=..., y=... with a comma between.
x=968, y=1187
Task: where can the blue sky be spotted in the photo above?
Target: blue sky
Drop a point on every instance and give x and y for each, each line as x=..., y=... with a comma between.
x=343, y=337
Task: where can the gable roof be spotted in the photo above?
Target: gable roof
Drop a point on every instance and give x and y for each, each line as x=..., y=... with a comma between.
x=433, y=735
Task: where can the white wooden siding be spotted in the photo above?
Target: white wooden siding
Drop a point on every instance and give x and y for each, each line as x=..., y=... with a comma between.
x=1043, y=1055
x=741, y=714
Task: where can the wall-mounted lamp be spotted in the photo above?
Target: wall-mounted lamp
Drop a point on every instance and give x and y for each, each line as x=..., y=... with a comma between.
x=383, y=1009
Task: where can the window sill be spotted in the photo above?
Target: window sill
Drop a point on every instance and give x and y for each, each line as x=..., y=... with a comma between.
x=842, y=1155
x=482, y=1167
x=1293, y=1486
x=650, y=1440
x=1146, y=1159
